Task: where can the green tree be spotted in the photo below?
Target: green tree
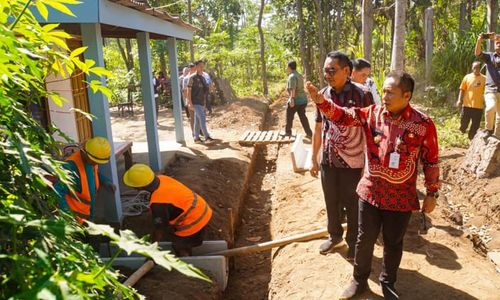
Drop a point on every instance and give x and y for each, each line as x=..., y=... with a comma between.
x=42, y=253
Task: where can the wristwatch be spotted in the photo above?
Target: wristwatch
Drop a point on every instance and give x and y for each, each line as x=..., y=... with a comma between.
x=435, y=194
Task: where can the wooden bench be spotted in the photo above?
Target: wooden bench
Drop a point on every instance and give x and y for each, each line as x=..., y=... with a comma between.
x=266, y=137
x=124, y=148
x=127, y=106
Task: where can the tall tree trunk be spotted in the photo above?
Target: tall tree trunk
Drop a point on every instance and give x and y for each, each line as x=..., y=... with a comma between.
x=465, y=10
x=125, y=54
x=130, y=55
x=326, y=23
x=302, y=39
x=122, y=53
x=338, y=16
x=384, y=49
x=393, y=27
x=398, y=47
x=190, y=19
x=429, y=41
x=492, y=15
x=129, y=64
x=163, y=62
x=262, y=47
x=367, y=28
x=321, y=58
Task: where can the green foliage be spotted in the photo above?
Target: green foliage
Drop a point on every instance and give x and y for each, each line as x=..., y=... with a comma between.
x=241, y=62
x=454, y=61
x=448, y=133
x=121, y=77
x=42, y=250
x=445, y=117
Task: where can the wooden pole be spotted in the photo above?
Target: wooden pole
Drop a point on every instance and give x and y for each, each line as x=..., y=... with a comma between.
x=312, y=235
x=137, y=275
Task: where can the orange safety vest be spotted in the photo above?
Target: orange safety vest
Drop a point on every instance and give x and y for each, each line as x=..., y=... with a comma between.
x=195, y=211
x=81, y=205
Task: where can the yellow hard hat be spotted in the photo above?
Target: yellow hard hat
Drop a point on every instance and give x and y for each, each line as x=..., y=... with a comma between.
x=139, y=175
x=98, y=149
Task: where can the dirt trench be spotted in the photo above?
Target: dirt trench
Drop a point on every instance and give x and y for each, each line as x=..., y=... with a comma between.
x=250, y=275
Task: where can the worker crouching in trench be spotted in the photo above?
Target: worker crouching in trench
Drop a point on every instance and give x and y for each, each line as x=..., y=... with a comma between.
x=173, y=206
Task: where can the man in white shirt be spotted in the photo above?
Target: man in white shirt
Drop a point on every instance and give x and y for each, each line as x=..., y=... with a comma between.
x=191, y=69
x=361, y=75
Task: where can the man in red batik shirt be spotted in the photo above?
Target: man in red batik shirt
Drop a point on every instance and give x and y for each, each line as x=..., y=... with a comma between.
x=397, y=138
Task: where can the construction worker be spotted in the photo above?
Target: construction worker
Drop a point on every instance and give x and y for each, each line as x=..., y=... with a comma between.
x=172, y=205
x=83, y=165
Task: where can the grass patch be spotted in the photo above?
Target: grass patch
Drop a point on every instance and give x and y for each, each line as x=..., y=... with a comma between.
x=447, y=121
x=445, y=117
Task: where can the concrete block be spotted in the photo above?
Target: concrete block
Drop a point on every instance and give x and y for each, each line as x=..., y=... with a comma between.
x=217, y=265
x=301, y=156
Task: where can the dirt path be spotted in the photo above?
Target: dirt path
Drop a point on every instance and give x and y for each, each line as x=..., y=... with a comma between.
x=438, y=265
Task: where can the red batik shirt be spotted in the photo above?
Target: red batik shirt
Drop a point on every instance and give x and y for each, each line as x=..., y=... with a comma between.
x=412, y=136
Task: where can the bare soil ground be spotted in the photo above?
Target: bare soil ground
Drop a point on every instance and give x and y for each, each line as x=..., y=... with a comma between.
x=440, y=264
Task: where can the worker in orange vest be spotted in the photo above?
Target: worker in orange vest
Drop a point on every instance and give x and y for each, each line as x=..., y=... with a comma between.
x=172, y=204
x=83, y=167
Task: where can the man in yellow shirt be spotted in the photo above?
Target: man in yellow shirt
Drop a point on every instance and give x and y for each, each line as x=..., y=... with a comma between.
x=471, y=99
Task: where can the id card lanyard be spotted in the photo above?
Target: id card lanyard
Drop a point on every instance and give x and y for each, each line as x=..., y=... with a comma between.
x=395, y=156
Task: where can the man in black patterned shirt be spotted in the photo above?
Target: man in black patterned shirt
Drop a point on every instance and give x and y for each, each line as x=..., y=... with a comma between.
x=342, y=158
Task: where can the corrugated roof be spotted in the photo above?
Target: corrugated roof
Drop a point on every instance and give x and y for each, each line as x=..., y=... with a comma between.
x=143, y=6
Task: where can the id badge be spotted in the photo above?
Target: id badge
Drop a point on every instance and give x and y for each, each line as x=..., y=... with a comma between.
x=394, y=160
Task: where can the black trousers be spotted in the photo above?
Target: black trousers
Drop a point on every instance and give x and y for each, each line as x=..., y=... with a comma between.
x=301, y=111
x=339, y=188
x=473, y=116
x=393, y=224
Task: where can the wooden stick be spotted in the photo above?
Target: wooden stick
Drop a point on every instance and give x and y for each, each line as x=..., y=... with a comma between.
x=137, y=275
x=316, y=234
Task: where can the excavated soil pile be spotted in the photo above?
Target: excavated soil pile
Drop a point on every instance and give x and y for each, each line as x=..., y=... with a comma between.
x=471, y=204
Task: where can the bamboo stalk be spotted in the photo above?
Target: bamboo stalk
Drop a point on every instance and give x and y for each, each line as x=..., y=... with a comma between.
x=316, y=234
x=137, y=275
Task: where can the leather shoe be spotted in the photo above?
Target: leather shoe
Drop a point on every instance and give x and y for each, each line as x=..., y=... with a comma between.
x=328, y=246
x=350, y=254
x=389, y=291
x=354, y=289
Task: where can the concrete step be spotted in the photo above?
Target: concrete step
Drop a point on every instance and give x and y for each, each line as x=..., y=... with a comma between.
x=217, y=265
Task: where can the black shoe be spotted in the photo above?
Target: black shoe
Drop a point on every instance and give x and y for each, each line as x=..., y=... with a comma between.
x=209, y=139
x=328, y=246
x=350, y=254
x=354, y=289
x=198, y=141
x=389, y=291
